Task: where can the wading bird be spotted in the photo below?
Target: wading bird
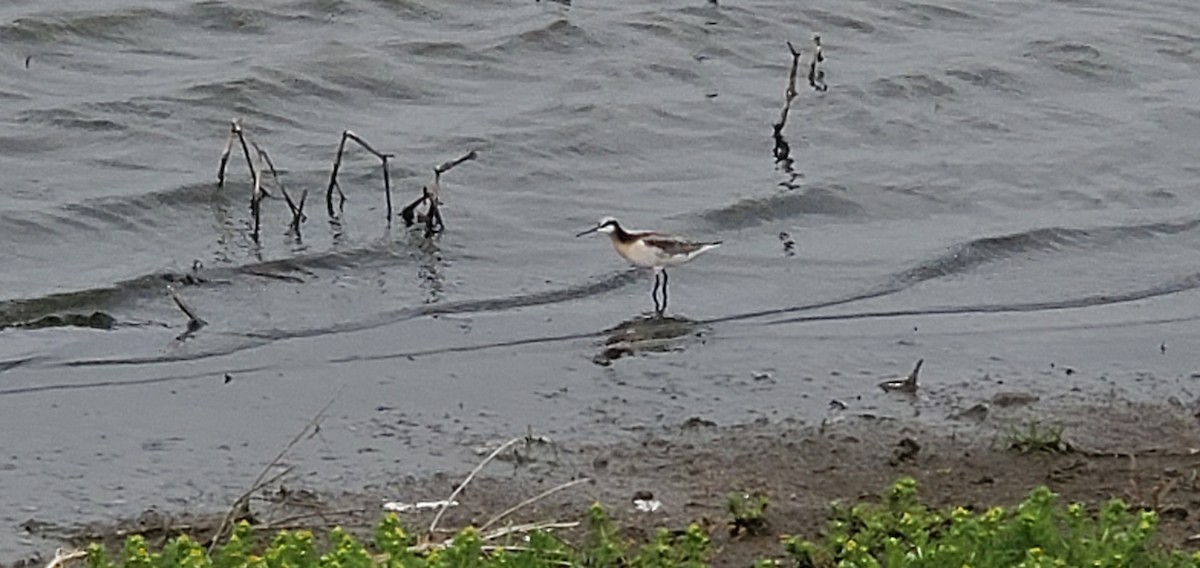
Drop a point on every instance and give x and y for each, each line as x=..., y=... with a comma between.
x=649, y=249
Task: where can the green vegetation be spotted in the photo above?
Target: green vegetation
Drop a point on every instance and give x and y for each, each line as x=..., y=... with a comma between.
x=1035, y=437
x=898, y=532
x=1040, y=532
x=746, y=513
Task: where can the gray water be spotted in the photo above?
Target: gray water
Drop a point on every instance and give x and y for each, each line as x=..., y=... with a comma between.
x=1005, y=189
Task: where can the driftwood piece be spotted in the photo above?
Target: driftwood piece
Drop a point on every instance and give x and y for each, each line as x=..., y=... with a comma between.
x=337, y=166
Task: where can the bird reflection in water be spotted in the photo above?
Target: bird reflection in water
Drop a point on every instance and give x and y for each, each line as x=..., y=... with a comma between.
x=650, y=333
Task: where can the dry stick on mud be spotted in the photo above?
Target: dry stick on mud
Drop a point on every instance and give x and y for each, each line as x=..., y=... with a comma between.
x=431, y=193
x=61, y=558
x=498, y=533
x=297, y=210
x=337, y=165
x=533, y=500
x=194, y=320
x=467, y=481
x=313, y=423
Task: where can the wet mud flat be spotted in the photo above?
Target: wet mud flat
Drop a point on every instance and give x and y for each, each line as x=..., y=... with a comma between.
x=1147, y=455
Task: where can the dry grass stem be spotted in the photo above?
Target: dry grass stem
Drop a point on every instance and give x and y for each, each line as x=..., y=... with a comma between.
x=471, y=476
x=194, y=320
x=533, y=500
x=61, y=558
x=314, y=424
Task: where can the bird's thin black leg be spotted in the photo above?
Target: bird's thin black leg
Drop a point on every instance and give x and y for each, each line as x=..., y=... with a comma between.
x=664, y=292
x=654, y=293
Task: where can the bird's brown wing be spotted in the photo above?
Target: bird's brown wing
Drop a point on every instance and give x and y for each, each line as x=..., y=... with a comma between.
x=673, y=246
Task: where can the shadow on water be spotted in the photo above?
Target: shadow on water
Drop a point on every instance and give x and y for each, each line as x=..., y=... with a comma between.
x=646, y=333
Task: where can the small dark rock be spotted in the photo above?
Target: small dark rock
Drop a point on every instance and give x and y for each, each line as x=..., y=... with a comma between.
x=697, y=422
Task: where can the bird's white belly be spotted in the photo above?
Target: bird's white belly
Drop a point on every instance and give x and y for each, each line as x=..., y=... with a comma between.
x=638, y=254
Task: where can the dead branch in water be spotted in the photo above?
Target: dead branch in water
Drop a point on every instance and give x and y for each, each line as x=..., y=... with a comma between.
x=297, y=219
x=225, y=154
x=337, y=166
x=431, y=193
x=195, y=322
x=257, y=193
x=907, y=384
x=242, y=502
x=783, y=150
x=235, y=132
x=297, y=210
x=447, y=166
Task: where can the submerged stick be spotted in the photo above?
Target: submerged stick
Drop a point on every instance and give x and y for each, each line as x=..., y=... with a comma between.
x=782, y=150
x=315, y=424
x=337, y=166
x=387, y=188
x=194, y=320
x=225, y=154
x=467, y=481
x=407, y=212
x=298, y=218
x=907, y=384
x=255, y=193
x=790, y=93
x=431, y=193
x=266, y=158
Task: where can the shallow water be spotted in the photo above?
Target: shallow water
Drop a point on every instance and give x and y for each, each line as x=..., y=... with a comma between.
x=993, y=187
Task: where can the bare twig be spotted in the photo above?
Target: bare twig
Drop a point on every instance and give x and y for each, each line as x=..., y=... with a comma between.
x=528, y=527
x=225, y=154
x=337, y=166
x=313, y=423
x=498, y=533
x=463, y=485
x=791, y=90
x=407, y=212
x=256, y=194
x=387, y=188
x=431, y=193
x=61, y=557
x=194, y=320
x=447, y=166
x=297, y=211
x=907, y=384
x=323, y=515
x=533, y=500
x=298, y=218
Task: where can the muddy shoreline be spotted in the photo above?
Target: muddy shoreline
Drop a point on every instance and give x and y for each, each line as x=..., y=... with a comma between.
x=1146, y=455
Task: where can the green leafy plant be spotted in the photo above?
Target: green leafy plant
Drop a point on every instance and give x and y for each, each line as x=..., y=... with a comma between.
x=1040, y=532
x=746, y=513
x=1035, y=437
x=899, y=531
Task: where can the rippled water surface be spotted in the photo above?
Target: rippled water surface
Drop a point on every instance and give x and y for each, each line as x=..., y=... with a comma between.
x=995, y=187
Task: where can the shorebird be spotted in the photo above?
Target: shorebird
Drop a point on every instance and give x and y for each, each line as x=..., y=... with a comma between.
x=649, y=249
